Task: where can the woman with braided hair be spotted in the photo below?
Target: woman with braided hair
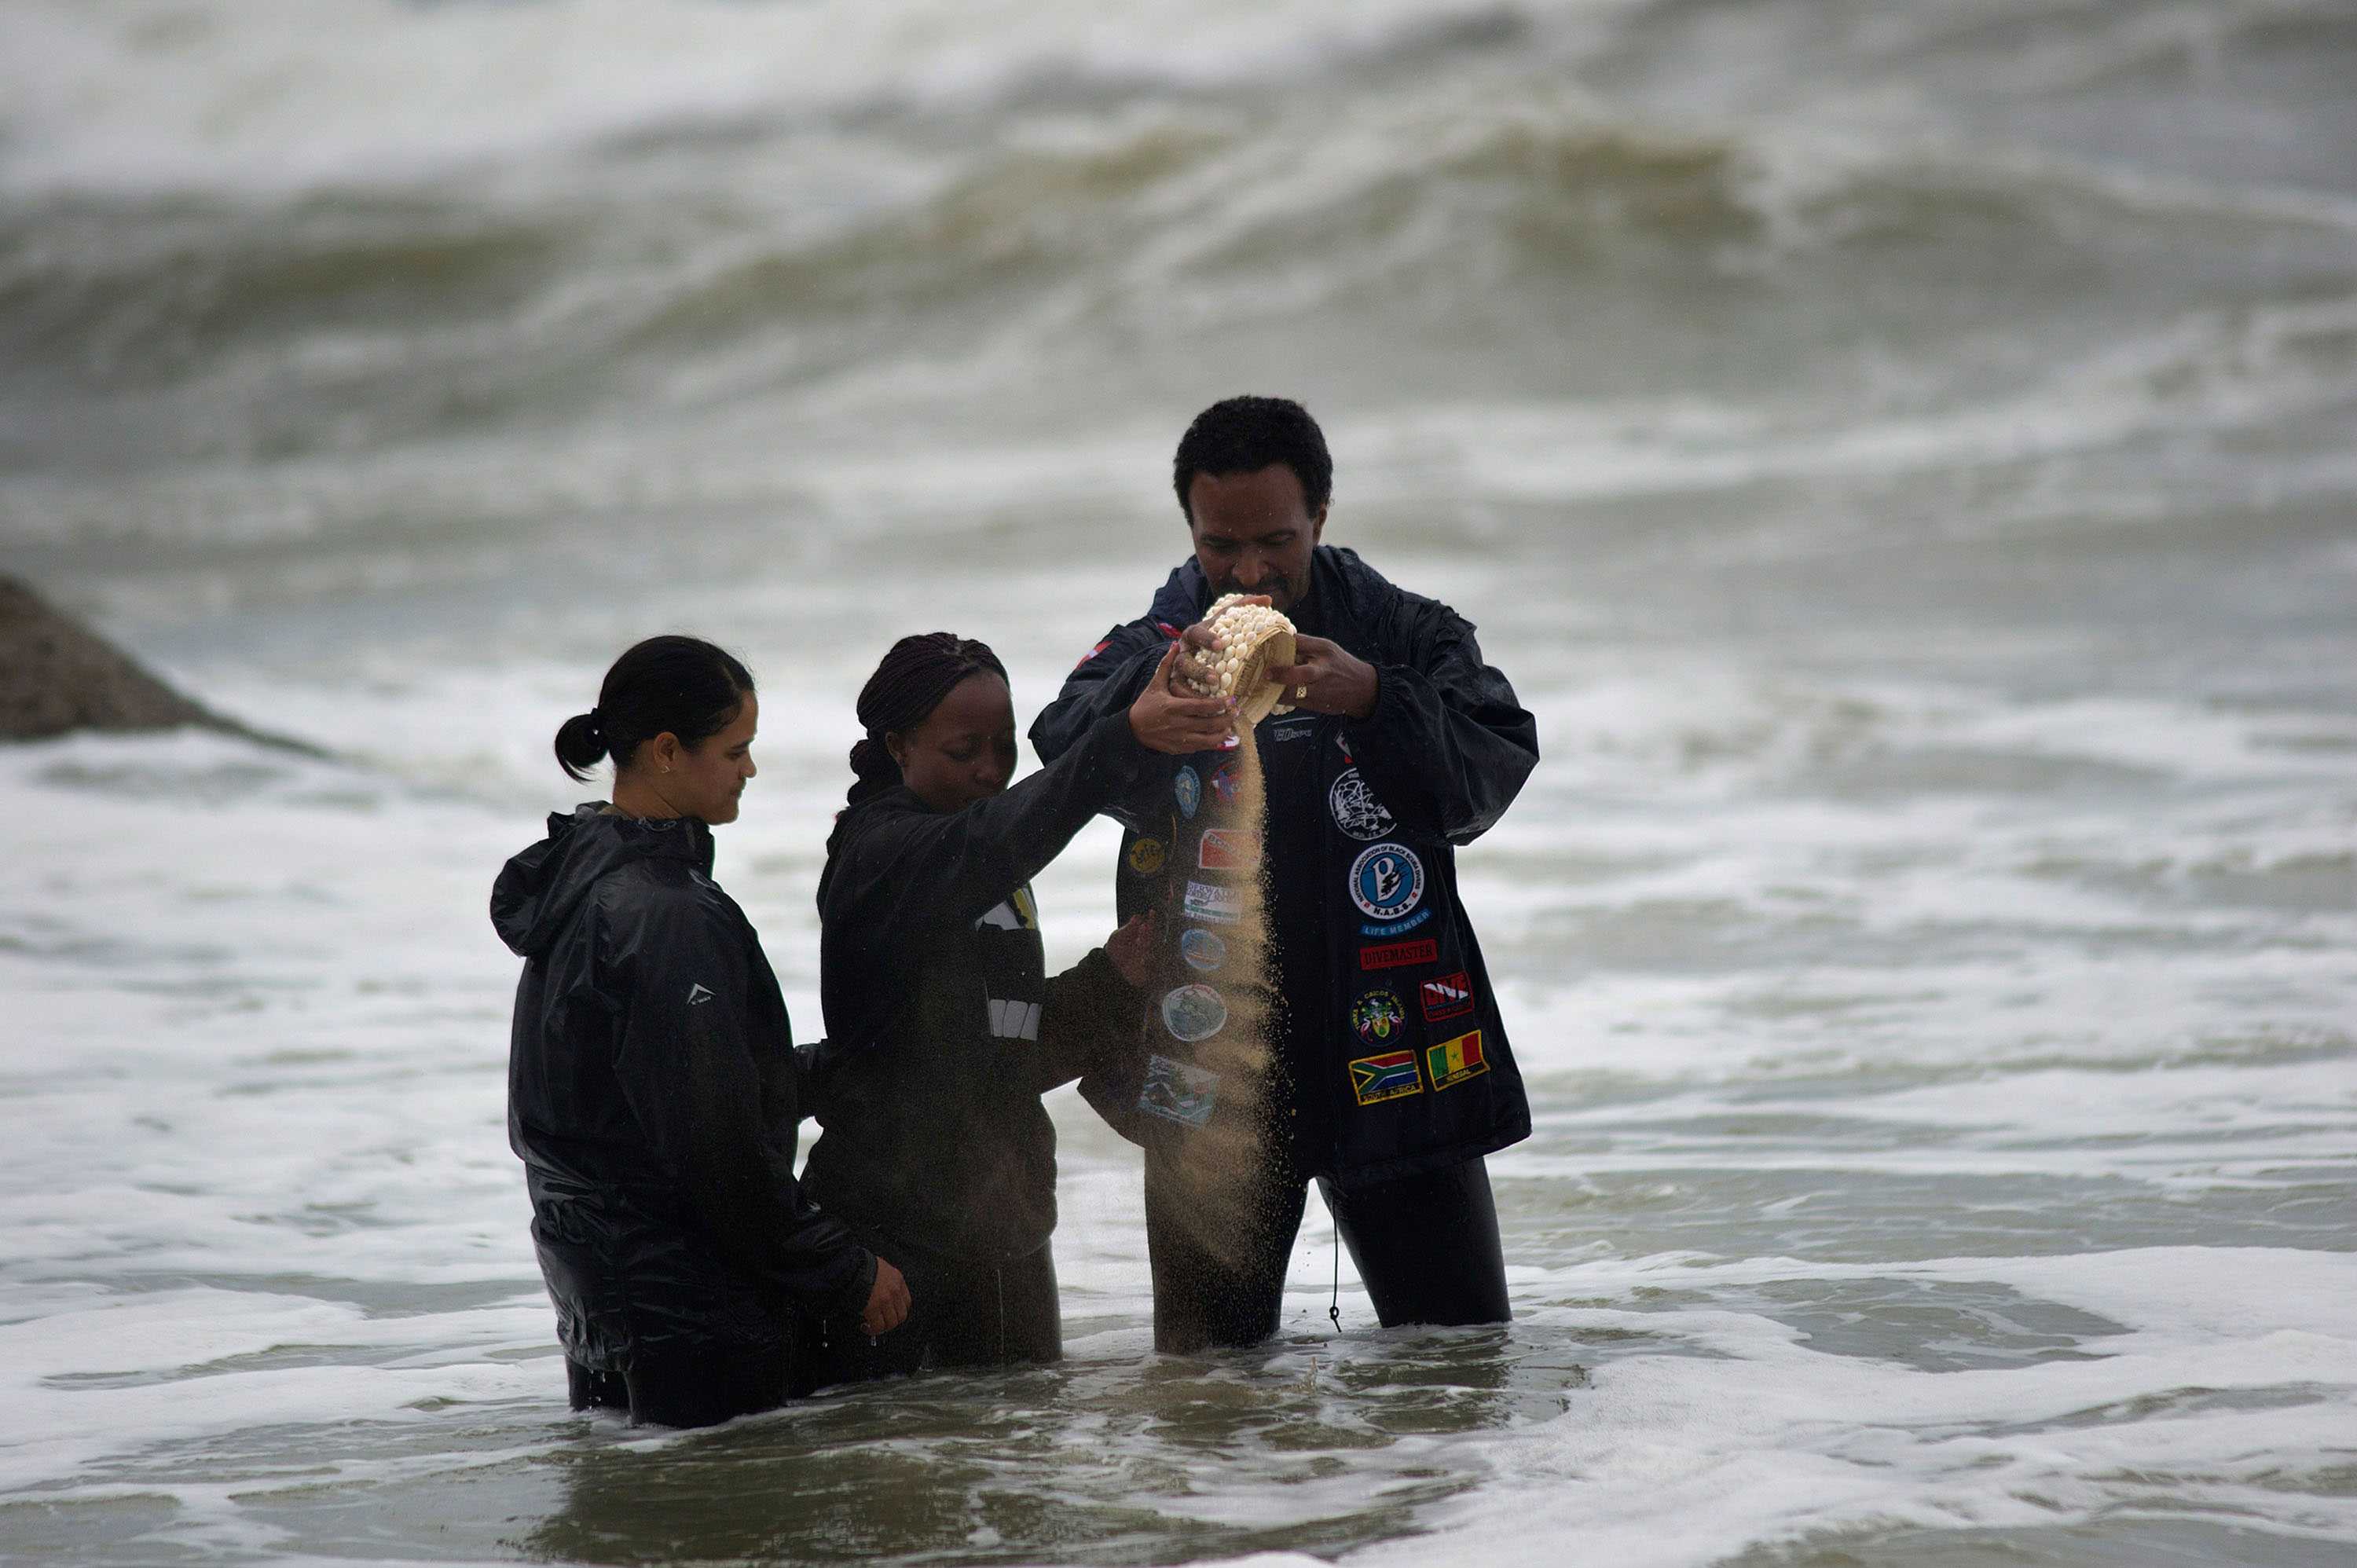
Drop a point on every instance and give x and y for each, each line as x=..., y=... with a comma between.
x=943, y=1028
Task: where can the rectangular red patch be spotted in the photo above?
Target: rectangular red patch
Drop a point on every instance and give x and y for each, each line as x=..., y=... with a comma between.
x=1450, y=996
x=1398, y=955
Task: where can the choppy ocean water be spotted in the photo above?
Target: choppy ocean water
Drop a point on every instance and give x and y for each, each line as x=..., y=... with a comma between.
x=1902, y=454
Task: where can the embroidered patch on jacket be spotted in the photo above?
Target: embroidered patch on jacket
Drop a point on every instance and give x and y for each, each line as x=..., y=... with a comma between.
x=1202, y=949
x=1355, y=808
x=1147, y=855
x=1092, y=653
x=1377, y=1016
x=699, y=993
x=1449, y=997
x=1399, y=955
x=1177, y=1092
x=1386, y=881
x=1188, y=787
x=1391, y=1076
x=1454, y=1061
x=1397, y=928
x=1194, y=1013
x=1224, y=784
x=1213, y=904
x=1229, y=849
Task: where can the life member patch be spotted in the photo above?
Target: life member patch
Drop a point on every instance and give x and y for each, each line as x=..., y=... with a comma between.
x=1387, y=882
x=1454, y=1061
x=1399, y=955
x=1202, y=949
x=1450, y=996
x=1194, y=1013
x=1147, y=855
x=1355, y=808
x=1213, y=904
x=1177, y=1092
x=1229, y=849
x=1374, y=1080
x=1188, y=791
x=1377, y=1016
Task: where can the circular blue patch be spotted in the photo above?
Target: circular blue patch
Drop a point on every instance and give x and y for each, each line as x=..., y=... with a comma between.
x=1202, y=949
x=1387, y=881
x=1189, y=789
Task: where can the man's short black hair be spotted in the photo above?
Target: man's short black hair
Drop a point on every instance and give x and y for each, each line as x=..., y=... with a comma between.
x=1245, y=434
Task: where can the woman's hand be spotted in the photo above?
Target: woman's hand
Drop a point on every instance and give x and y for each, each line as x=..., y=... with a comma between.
x=1130, y=948
x=1171, y=720
x=887, y=1301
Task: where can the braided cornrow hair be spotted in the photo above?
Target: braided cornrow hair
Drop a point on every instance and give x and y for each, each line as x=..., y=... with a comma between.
x=915, y=675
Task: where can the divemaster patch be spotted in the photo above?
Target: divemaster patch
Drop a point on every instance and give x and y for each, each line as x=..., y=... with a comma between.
x=1386, y=881
x=1187, y=788
x=1177, y=1092
x=1450, y=996
x=1202, y=949
x=1229, y=849
x=1374, y=1080
x=1454, y=1061
x=1355, y=808
x=1377, y=1016
x=1214, y=904
x=1147, y=855
x=1399, y=955
x=1194, y=1013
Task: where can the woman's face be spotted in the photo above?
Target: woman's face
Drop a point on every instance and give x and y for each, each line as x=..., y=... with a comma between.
x=706, y=779
x=963, y=751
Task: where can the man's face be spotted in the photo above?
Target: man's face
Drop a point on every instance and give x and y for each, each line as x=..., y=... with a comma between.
x=1253, y=534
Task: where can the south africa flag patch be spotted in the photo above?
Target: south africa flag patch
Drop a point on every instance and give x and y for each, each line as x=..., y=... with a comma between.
x=1454, y=1061
x=1374, y=1080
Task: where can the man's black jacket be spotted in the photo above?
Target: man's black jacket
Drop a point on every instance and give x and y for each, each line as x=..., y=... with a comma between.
x=1388, y=1031
x=942, y=1027
x=651, y=1097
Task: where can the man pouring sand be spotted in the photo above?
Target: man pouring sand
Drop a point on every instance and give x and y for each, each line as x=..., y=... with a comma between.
x=1387, y=1076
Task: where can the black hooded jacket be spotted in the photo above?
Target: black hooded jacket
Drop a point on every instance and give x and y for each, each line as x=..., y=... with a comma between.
x=651, y=1097
x=1388, y=1032
x=942, y=1027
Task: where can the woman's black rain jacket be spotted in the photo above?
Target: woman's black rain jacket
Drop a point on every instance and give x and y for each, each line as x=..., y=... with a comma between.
x=651, y=1098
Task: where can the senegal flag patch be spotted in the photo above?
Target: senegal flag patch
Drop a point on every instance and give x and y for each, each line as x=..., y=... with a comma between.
x=1387, y=1077
x=1454, y=1061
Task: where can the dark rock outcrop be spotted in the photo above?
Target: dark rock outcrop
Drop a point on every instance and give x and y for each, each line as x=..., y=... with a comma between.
x=55, y=677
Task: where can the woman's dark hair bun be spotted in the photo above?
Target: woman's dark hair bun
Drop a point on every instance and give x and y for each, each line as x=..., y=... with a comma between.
x=580, y=744
x=681, y=685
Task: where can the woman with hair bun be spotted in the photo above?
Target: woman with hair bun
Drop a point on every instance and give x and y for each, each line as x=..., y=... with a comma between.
x=944, y=1028
x=651, y=1089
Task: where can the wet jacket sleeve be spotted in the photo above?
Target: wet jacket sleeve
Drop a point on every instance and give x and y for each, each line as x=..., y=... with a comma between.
x=688, y=1071
x=1448, y=745
x=918, y=870
x=1089, y=1020
x=1104, y=683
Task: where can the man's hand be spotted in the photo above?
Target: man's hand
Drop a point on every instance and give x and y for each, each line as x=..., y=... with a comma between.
x=1130, y=947
x=1171, y=719
x=887, y=1301
x=1201, y=639
x=1329, y=679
